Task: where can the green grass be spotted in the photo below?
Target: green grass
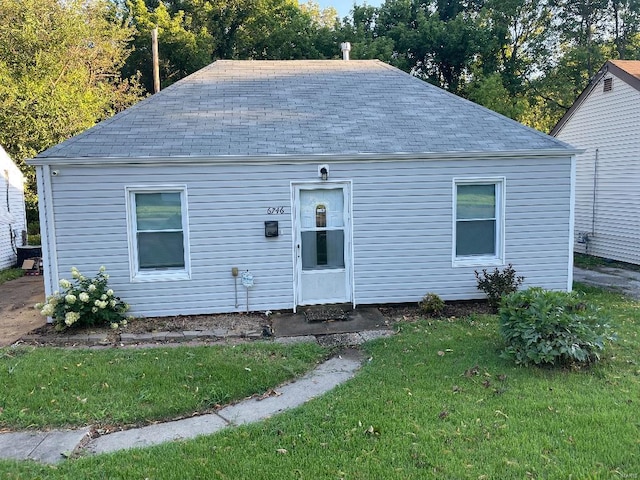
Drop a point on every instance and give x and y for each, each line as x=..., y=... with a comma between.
x=591, y=262
x=49, y=387
x=434, y=401
x=10, y=274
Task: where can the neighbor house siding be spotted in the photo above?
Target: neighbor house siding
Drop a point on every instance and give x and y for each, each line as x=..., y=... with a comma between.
x=11, y=186
x=402, y=229
x=607, y=126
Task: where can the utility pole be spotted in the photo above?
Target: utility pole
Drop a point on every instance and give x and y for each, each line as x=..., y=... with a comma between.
x=156, y=67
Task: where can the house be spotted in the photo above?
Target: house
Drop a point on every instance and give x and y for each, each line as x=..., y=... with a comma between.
x=13, y=220
x=604, y=121
x=267, y=185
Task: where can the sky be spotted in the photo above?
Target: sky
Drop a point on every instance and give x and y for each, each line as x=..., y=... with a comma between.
x=344, y=6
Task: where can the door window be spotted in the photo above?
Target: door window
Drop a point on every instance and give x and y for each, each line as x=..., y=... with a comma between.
x=322, y=232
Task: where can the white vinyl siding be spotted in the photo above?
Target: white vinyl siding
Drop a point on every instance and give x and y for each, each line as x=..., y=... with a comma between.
x=158, y=233
x=478, y=222
x=607, y=198
x=401, y=229
x=12, y=210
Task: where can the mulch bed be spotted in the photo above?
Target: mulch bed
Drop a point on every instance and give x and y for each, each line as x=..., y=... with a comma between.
x=242, y=322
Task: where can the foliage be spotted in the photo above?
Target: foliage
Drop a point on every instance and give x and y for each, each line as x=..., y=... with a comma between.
x=10, y=274
x=431, y=304
x=59, y=70
x=34, y=239
x=490, y=92
x=544, y=327
x=182, y=49
x=59, y=74
x=498, y=284
x=84, y=302
x=193, y=33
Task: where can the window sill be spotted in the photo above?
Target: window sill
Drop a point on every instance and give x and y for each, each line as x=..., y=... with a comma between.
x=478, y=262
x=160, y=276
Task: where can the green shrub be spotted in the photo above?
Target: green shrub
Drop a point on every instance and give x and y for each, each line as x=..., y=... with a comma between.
x=555, y=328
x=33, y=228
x=498, y=284
x=431, y=304
x=84, y=302
x=33, y=239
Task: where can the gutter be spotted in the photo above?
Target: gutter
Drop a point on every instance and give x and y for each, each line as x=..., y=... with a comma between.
x=292, y=159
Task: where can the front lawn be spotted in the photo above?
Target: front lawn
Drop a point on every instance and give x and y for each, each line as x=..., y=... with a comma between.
x=53, y=387
x=434, y=401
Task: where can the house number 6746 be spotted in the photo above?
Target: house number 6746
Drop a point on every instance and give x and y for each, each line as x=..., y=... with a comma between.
x=275, y=211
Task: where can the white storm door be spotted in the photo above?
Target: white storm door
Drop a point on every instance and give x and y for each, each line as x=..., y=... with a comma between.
x=322, y=244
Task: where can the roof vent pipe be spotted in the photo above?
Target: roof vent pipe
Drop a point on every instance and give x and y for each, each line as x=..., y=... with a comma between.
x=346, y=48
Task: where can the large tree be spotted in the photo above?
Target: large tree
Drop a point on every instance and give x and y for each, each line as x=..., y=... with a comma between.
x=59, y=70
x=60, y=67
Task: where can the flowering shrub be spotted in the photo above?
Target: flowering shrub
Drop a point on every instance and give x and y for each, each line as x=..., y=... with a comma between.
x=84, y=301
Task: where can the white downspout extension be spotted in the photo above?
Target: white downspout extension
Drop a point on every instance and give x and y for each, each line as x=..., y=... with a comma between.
x=346, y=48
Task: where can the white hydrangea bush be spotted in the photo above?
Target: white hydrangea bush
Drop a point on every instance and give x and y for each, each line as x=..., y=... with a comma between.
x=84, y=302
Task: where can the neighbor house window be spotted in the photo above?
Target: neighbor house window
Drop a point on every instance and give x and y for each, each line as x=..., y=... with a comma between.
x=158, y=233
x=478, y=222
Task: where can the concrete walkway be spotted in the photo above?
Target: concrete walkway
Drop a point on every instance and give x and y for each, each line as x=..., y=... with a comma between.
x=617, y=279
x=54, y=446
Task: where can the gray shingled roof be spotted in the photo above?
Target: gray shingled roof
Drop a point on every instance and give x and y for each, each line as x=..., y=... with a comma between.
x=262, y=108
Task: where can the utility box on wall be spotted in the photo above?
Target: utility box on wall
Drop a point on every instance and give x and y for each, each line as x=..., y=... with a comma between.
x=271, y=228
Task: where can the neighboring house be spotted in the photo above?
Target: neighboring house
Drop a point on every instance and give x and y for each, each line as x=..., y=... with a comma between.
x=328, y=181
x=605, y=122
x=13, y=220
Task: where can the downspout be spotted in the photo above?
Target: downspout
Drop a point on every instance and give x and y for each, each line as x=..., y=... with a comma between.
x=593, y=202
x=572, y=220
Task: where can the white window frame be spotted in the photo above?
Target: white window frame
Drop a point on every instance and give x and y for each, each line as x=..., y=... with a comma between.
x=496, y=259
x=156, y=275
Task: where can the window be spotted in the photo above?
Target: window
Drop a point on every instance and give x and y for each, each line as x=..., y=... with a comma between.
x=158, y=233
x=322, y=229
x=478, y=216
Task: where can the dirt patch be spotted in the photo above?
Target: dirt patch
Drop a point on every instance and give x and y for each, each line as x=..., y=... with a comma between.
x=411, y=313
x=237, y=325
x=17, y=315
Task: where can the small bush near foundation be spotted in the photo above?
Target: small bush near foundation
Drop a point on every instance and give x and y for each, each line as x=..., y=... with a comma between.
x=431, y=304
x=498, y=284
x=553, y=328
x=84, y=302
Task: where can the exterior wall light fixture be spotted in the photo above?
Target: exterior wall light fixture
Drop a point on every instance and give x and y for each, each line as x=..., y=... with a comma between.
x=323, y=172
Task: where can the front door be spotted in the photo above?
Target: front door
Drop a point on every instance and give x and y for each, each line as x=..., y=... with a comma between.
x=322, y=242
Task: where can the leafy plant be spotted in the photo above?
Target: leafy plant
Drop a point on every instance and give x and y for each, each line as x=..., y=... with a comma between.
x=10, y=274
x=431, y=304
x=84, y=301
x=498, y=283
x=34, y=240
x=556, y=328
